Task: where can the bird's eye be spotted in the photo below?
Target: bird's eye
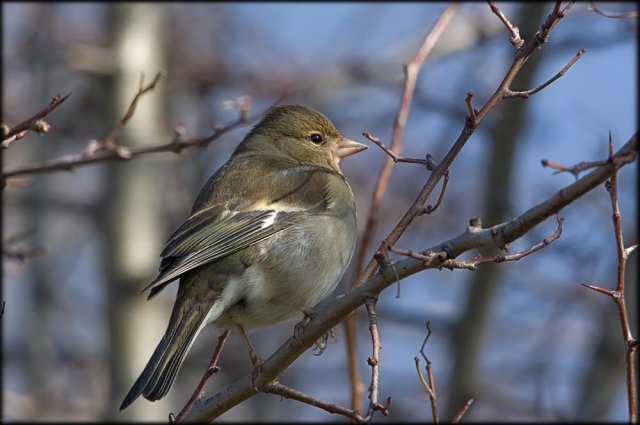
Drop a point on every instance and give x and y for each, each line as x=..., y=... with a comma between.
x=316, y=138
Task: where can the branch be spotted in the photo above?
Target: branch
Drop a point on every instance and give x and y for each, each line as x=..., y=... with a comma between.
x=593, y=7
x=430, y=387
x=471, y=264
x=584, y=165
x=286, y=392
x=394, y=157
x=93, y=154
x=411, y=71
x=35, y=123
x=515, y=32
x=470, y=125
x=213, y=368
x=456, y=418
x=527, y=93
x=142, y=89
x=343, y=306
x=374, y=362
x=429, y=209
x=618, y=296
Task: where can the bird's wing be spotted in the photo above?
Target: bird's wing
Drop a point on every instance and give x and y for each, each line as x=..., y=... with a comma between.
x=215, y=231
x=211, y=234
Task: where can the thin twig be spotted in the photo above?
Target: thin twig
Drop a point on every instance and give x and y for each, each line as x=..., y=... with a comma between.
x=374, y=361
x=289, y=393
x=432, y=383
x=142, y=89
x=513, y=257
x=425, y=256
x=520, y=58
x=96, y=151
x=618, y=295
x=585, y=165
x=35, y=123
x=515, y=32
x=424, y=383
x=593, y=7
x=396, y=158
x=411, y=71
x=429, y=209
x=452, y=263
x=211, y=369
x=456, y=418
x=525, y=94
x=631, y=343
x=472, y=119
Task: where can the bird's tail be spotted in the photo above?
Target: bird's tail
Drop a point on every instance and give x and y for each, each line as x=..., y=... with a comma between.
x=157, y=377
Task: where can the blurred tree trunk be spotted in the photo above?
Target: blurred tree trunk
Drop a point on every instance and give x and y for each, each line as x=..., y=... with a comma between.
x=469, y=331
x=132, y=220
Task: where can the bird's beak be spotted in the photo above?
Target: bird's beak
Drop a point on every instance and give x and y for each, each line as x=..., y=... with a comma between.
x=348, y=147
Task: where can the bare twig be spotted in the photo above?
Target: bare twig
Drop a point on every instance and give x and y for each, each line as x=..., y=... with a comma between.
x=471, y=264
x=35, y=123
x=527, y=93
x=142, y=89
x=213, y=368
x=396, y=158
x=107, y=150
x=630, y=341
x=425, y=256
x=430, y=386
x=599, y=11
x=618, y=295
x=472, y=119
x=452, y=263
x=456, y=418
x=575, y=169
x=429, y=209
x=585, y=165
x=411, y=71
x=469, y=128
x=515, y=32
x=374, y=361
x=286, y=392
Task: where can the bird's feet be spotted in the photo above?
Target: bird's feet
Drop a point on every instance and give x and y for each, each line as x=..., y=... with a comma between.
x=321, y=344
x=309, y=314
x=257, y=363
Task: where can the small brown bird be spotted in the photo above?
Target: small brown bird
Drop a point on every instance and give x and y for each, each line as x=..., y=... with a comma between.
x=271, y=233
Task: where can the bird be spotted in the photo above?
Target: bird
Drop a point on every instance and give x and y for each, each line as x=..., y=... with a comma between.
x=270, y=234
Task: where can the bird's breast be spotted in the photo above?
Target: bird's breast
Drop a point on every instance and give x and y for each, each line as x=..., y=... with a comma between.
x=297, y=267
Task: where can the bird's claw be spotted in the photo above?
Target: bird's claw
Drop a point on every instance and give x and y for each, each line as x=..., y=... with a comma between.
x=257, y=368
x=309, y=314
x=321, y=344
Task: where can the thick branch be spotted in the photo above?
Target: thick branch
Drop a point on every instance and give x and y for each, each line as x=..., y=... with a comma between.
x=343, y=306
x=469, y=128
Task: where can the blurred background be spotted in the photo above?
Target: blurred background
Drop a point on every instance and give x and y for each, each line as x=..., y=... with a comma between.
x=524, y=337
